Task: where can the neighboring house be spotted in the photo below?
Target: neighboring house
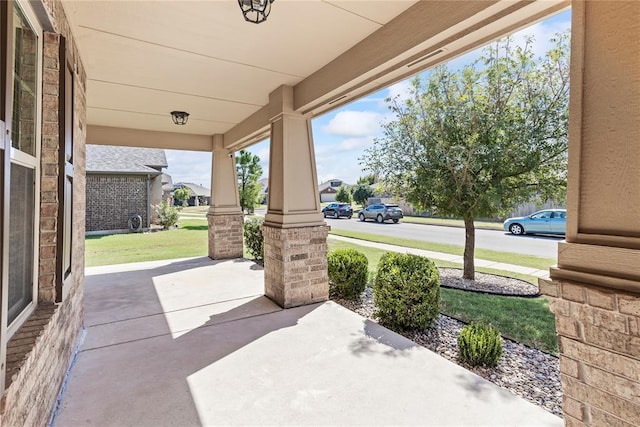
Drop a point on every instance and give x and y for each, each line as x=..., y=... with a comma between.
x=167, y=187
x=198, y=195
x=328, y=190
x=122, y=181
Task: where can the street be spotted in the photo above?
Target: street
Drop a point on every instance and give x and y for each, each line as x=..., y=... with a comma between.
x=542, y=246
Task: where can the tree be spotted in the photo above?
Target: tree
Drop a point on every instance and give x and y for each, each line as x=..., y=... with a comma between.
x=477, y=142
x=343, y=195
x=361, y=194
x=249, y=171
x=368, y=179
x=182, y=194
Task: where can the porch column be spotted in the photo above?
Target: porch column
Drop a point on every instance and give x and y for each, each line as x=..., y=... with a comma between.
x=224, y=216
x=595, y=288
x=295, y=234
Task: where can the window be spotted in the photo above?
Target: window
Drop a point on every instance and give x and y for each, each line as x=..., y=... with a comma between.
x=22, y=84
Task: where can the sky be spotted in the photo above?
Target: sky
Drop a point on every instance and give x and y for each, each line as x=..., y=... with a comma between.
x=342, y=135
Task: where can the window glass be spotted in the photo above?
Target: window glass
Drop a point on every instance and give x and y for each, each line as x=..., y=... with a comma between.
x=25, y=75
x=21, y=239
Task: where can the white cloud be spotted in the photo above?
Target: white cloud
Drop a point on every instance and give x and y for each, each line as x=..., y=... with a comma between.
x=400, y=90
x=350, y=144
x=189, y=166
x=354, y=123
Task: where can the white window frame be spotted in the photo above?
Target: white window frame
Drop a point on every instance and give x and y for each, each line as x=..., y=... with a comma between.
x=26, y=160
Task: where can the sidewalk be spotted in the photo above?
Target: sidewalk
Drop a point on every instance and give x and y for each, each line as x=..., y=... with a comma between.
x=446, y=257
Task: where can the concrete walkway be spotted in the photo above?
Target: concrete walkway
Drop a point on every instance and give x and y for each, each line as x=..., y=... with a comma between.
x=445, y=257
x=194, y=342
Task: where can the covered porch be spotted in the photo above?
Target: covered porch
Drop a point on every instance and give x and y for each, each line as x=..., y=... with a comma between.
x=194, y=342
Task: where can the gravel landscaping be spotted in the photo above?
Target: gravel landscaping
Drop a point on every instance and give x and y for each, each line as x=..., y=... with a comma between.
x=525, y=371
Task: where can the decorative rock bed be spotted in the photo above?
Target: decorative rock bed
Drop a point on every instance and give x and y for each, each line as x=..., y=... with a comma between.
x=525, y=371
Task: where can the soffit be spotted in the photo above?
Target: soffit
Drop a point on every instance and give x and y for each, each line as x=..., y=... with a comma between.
x=145, y=58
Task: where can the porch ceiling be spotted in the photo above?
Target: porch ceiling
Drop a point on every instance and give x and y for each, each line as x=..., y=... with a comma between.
x=146, y=58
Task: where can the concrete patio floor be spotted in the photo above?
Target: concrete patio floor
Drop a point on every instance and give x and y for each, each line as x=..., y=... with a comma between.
x=194, y=342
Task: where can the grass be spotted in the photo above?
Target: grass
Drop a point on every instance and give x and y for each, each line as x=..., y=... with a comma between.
x=490, y=255
x=525, y=320
x=189, y=240
x=451, y=222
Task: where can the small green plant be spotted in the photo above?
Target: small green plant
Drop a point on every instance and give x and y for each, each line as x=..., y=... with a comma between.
x=348, y=273
x=480, y=344
x=253, y=239
x=167, y=215
x=406, y=291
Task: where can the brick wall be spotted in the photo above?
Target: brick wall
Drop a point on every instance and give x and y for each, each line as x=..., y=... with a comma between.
x=295, y=265
x=110, y=199
x=599, y=341
x=225, y=236
x=40, y=352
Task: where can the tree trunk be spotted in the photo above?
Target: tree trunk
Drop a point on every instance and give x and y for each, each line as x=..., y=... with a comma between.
x=469, y=249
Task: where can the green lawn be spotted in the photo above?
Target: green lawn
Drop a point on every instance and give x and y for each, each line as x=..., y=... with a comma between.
x=189, y=240
x=451, y=222
x=497, y=256
x=526, y=320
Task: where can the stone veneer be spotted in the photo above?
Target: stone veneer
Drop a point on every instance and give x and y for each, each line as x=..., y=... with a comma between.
x=39, y=353
x=295, y=265
x=225, y=236
x=599, y=343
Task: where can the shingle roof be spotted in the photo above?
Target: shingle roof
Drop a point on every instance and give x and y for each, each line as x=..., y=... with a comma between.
x=133, y=160
x=196, y=189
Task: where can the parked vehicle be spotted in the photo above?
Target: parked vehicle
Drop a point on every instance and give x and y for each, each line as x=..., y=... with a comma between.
x=381, y=212
x=336, y=210
x=548, y=221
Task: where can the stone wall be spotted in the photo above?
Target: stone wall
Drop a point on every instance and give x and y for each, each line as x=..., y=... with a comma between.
x=599, y=342
x=110, y=199
x=295, y=265
x=40, y=352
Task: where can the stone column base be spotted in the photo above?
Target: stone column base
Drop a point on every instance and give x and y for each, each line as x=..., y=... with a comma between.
x=225, y=236
x=295, y=265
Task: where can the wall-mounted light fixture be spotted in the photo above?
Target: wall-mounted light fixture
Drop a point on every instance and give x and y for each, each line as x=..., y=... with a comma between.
x=255, y=11
x=180, y=117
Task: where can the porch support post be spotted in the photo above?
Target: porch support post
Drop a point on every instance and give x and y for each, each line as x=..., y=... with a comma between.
x=224, y=216
x=295, y=234
x=595, y=289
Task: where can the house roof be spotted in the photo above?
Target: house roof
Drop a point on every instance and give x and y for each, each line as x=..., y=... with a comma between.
x=126, y=160
x=327, y=184
x=195, y=189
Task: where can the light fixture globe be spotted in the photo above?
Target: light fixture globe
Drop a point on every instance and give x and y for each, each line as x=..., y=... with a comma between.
x=255, y=11
x=180, y=117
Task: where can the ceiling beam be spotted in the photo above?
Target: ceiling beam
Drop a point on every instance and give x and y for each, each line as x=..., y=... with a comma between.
x=105, y=135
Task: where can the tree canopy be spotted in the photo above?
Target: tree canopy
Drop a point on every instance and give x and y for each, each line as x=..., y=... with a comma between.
x=361, y=193
x=249, y=172
x=343, y=195
x=476, y=142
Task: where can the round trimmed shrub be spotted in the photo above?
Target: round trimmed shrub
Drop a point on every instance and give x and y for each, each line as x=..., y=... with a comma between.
x=253, y=239
x=480, y=344
x=348, y=273
x=406, y=291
